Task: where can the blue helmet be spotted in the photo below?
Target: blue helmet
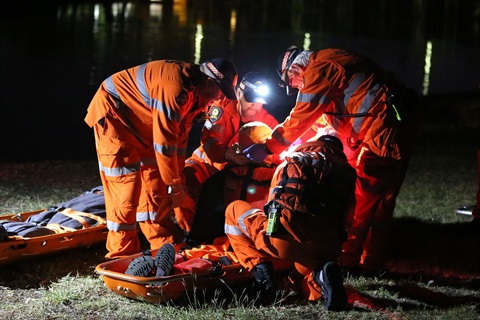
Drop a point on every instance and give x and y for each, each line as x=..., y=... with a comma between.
x=254, y=87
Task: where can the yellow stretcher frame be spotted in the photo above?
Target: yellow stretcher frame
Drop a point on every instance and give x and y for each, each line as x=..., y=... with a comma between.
x=18, y=248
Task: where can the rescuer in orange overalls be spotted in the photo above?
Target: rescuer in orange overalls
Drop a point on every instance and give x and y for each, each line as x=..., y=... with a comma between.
x=219, y=140
x=141, y=118
x=364, y=108
x=308, y=232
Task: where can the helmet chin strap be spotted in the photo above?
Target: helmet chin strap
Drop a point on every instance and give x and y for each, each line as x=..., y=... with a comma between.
x=241, y=101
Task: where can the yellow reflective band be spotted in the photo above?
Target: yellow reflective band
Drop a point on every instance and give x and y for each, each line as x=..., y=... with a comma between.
x=397, y=114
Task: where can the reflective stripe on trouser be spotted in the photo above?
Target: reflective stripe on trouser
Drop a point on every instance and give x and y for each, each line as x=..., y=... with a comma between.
x=243, y=224
x=154, y=214
x=119, y=165
x=377, y=187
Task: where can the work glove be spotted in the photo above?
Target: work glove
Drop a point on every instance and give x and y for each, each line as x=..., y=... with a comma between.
x=184, y=218
x=234, y=154
x=257, y=152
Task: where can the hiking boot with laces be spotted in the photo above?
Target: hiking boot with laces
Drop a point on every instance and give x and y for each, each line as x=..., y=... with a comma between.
x=330, y=281
x=164, y=260
x=264, y=285
x=142, y=266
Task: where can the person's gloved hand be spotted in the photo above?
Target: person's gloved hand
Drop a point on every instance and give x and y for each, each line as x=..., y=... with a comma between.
x=184, y=218
x=235, y=155
x=257, y=152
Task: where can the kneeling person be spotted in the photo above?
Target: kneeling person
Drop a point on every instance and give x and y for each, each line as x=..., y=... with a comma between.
x=303, y=221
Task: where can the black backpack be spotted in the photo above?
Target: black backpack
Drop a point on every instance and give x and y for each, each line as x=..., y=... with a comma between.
x=314, y=189
x=314, y=182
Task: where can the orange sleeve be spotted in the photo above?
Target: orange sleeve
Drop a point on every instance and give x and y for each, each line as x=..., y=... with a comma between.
x=166, y=135
x=217, y=132
x=312, y=101
x=171, y=104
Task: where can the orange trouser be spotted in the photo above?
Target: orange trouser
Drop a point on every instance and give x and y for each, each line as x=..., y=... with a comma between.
x=245, y=227
x=131, y=187
x=369, y=220
x=154, y=209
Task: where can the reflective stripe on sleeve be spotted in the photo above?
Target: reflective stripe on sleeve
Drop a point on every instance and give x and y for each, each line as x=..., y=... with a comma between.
x=148, y=162
x=165, y=150
x=169, y=150
x=201, y=155
x=111, y=87
x=365, y=107
x=278, y=136
x=309, y=98
x=182, y=152
x=352, y=87
x=160, y=106
x=141, y=85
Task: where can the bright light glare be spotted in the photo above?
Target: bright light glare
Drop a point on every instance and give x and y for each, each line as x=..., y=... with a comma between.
x=156, y=11
x=427, y=67
x=96, y=12
x=306, y=41
x=262, y=90
x=252, y=189
x=198, y=43
x=233, y=27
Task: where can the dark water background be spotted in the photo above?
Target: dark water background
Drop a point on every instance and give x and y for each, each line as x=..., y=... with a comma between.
x=55, y=54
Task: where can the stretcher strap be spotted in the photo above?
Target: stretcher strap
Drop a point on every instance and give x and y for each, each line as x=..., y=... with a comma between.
x=52, y=226
x=78, y=215
x=59, y=228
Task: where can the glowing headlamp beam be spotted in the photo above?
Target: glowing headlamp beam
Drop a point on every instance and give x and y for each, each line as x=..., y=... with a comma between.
x=262, y=90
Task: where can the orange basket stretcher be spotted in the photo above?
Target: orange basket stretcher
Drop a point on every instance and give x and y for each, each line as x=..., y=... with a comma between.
x=62, y=238
x=197, y=268
x=206, y=267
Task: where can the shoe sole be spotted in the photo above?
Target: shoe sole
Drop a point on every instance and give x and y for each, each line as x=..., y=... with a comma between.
x=164, y=260
x=332, y=277
x=141, y=267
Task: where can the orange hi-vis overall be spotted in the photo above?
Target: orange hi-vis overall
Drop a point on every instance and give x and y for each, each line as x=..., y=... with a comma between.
x=306, y=239
x=353, y=96
x=141, y=118
x=219, y=132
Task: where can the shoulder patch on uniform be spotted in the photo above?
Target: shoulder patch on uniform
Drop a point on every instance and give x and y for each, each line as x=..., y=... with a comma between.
x=215, y=114
x=182, y=98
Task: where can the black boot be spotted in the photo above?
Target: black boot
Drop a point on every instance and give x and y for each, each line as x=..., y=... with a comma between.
x=164, y=260
x=142, y=266
x=330, y=281
x=264, y=284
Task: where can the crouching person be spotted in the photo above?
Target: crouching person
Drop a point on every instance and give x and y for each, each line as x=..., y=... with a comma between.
x=302, y=222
